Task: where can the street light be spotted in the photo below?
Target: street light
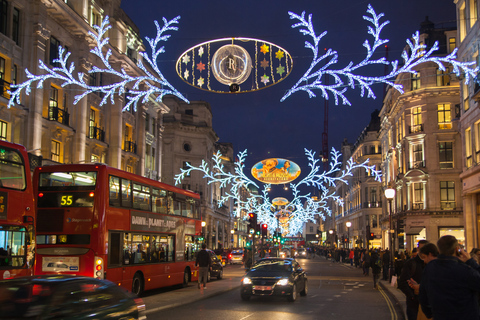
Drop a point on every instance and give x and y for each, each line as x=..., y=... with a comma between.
x=390, y=194
x=348, y=224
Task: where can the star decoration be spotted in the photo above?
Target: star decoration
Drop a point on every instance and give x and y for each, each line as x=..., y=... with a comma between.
x=186, y=59
x=265, y=79
x=200, y=81
x=186, y=74
x=279, y=54
x=264, y=48
x=200, y=51
x=280, y=70
x=200, y=66
x=264, y=63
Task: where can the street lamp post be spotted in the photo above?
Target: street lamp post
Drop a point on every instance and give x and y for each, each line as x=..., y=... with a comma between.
x=348, y=224
x=390, y=194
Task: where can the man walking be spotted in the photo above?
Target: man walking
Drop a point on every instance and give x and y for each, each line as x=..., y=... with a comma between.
x=450, y=284
x=204, y=262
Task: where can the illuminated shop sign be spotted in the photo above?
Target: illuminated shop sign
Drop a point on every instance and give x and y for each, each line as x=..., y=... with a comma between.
x=275, y=171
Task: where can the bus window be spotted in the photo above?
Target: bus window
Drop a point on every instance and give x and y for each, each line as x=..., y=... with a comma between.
x=188, y=208
x=126, y=193
x=114, y=191
x=12, y=246
x=12, y=170
x=190, y=248
x=170, y=203
x=141, y=197
x=177, y=208
x=114, y=249
x=159, y=201
x=127, y=249
x=139, y=246
x=167, y=248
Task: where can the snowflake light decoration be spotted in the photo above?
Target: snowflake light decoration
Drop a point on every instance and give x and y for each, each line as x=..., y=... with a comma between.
x=303, y=207
x=349, y=76
x=154, y=84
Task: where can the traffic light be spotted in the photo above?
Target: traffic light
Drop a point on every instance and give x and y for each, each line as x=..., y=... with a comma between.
x=372, y=236
x=264, y=229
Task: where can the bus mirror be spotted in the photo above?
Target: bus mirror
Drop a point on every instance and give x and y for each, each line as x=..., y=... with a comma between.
x=28, y=219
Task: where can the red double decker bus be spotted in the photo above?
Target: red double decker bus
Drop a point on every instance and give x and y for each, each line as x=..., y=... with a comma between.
x=98, y=221
x=17, y=212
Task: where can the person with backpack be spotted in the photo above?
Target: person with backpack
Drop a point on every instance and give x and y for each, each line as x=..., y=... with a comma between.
x=376, y=264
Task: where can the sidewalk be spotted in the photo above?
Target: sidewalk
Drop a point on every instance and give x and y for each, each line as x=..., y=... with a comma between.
x=177, y=297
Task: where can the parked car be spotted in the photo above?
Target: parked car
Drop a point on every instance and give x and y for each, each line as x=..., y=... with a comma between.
x=274, y=277
x=236, y=257
x=67, y=297
x=217, y=266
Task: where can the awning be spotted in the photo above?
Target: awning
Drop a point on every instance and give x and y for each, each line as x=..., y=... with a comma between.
x=413, y=231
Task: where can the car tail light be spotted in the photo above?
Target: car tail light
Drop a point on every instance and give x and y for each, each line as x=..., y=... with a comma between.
x=230, y=256
x=99, y=268
x=141, y=309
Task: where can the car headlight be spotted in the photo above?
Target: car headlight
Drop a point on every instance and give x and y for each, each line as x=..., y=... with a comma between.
x=282, y=282
x=247, y=281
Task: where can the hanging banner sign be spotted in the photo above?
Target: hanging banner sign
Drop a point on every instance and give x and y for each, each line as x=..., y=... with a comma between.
x=276, y=171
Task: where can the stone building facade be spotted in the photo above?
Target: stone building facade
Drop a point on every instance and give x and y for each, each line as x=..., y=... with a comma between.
x=422, y=151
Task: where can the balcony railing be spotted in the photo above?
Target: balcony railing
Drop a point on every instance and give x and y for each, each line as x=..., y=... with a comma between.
x=417, y=206
x=374, y=204
x=4, y=87
x=448, y=205
x=130, y=146
x=59, y=115
x=416, y=128
x=96, y=133
x=416, y=164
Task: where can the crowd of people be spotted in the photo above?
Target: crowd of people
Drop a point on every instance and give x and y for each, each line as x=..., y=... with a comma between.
x=440, y=281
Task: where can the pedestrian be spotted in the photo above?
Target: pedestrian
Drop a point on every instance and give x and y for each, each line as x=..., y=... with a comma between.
x=455, y=296
x=399, y=263
x=412, y=269
x=386, y=265
x=376, y=264
x=204, y=262
x=351, y=255
x=366, y=263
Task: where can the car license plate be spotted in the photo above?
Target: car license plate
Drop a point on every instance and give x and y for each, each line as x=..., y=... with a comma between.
x=262, y=288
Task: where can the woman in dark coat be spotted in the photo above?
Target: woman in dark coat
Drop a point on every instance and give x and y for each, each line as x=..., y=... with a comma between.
x=376, y=264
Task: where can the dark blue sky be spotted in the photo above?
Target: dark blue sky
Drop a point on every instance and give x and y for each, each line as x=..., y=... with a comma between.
x=258, y=121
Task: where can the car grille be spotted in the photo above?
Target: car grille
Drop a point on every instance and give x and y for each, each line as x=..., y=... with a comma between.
x=264, y=282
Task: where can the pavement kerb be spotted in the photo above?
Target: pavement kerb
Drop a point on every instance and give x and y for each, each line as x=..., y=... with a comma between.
x=198, y=297
x=397, y=295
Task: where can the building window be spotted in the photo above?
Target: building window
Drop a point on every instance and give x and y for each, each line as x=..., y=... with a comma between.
x=473, y=12
x=53, y=103
x=466, y=97
x=15, y=74
x=477, y=142
x=416, y=120
x=148, y=161
x=444, y=116
x=415, y=81
x=418, y=195
x=2, y=68
x=154, y=168
x=443, y=77
x=94, y=158
x=447, y=195
x=417, y=152
x=3, y=130
x=3, y=16
x=54, y=51
x=55, y=149
x=129, y=169
x=154, y=127
x=16, y=26
x=452, y=44
x=92, y=79
x=446, y=155
x=147, y=122
x=462, y=20
x=468, y=148
x=373, y=195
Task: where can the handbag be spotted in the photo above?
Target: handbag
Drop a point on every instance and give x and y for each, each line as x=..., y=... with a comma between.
x=394, y=281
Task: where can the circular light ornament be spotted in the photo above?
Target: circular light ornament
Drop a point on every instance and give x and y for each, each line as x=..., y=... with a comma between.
x=276, y=171
x=231, y=64
x=222, y=65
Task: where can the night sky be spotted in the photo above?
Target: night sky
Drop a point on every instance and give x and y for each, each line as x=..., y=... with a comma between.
x=258, y=121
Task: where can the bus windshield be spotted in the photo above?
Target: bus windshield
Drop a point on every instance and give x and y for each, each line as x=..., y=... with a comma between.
x=66, y=180
x=12, y=170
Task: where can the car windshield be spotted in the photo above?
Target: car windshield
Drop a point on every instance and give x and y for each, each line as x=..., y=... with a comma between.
x=273, y=266
x=237, y=252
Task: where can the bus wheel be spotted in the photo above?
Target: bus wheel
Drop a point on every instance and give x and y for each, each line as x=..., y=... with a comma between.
x=186, y=277
x=137, y=284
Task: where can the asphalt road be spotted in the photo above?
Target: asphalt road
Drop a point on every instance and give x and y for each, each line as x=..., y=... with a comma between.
x=336, y=291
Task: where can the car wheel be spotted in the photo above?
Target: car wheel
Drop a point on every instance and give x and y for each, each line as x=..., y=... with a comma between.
x=137, y=284
x=186, y=278
x=245, y=297
x=220, y=275
x=293, y=296
x=304, y=292
x=209, y=276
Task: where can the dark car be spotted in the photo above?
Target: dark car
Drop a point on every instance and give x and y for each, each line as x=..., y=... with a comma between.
x=67, y=297
x=217, y=267
x=275, y=277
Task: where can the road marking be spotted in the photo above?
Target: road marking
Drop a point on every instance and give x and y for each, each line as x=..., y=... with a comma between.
x=247, y=316
x=393, y=312
x=350, y=279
